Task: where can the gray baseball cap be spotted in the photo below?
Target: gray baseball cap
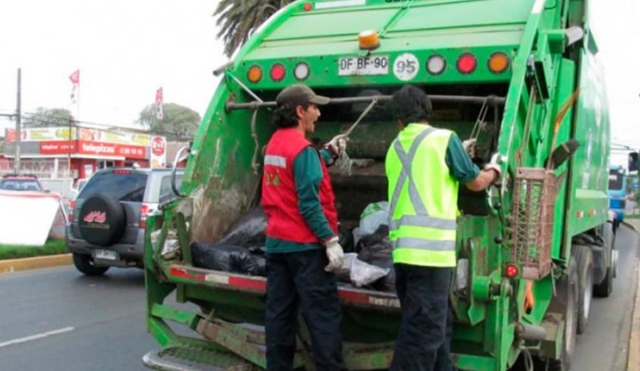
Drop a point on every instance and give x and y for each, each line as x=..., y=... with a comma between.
x=299, y=94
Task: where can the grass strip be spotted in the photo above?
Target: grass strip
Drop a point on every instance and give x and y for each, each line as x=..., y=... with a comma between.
x=52, y=247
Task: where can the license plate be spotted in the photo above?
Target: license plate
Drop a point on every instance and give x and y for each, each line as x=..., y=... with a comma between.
x=106, y=255
x=371, y=65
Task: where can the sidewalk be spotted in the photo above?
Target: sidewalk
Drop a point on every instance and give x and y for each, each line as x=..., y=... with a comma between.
x=633, y=362
x=635, y=223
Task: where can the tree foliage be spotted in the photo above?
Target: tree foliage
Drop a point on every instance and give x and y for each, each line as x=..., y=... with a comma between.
x=45, y=117
x=237, y=19
x=179, y=123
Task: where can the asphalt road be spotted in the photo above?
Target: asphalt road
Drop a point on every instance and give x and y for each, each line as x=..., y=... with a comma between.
x=604, y=345
x=58, y=320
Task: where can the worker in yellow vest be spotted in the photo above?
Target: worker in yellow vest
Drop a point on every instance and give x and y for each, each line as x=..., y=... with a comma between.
x=424, y=167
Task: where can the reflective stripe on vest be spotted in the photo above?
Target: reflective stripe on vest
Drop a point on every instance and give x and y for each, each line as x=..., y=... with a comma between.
x=424, y=240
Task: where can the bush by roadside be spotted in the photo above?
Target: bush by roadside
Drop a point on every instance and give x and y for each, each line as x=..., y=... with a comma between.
x=52, y=247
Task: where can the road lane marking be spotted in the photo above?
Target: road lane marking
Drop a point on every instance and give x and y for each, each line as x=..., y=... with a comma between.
x=35, y=337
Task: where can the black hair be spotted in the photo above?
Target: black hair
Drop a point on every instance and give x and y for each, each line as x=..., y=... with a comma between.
x=285, y=116
x=410, y=104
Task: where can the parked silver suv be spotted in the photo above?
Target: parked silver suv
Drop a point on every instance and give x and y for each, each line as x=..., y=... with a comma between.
x=108, y=218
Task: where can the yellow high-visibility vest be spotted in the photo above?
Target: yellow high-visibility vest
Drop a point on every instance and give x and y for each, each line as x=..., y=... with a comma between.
x=423, y=198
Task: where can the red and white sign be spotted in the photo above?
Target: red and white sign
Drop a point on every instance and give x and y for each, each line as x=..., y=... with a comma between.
x=111, y=149
x=158, y=146
x=57, y=148
x=158, y=152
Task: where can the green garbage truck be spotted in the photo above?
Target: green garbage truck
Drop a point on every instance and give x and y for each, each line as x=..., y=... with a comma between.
x=521, y=77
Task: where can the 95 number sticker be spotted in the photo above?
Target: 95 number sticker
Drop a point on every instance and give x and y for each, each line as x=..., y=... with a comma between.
x=406, y=67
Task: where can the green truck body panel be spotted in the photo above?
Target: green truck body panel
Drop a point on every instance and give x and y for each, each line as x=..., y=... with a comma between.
x=224, y=168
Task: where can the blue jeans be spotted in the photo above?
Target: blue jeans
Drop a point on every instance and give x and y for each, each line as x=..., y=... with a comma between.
x=424, y=340
x=299, y=280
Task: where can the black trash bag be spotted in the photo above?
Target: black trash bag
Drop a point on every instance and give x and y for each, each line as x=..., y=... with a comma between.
x=249, y=231
x=375, y=248
x=226, y=258
x=388, y=282
x=345, y=239
x=261, y=265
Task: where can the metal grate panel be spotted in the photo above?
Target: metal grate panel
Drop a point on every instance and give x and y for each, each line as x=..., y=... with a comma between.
x=533, y=214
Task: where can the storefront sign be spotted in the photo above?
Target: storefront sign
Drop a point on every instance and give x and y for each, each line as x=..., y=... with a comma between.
x=57, y=148
x=42, y=134
x=158, y=152
x=111, y=150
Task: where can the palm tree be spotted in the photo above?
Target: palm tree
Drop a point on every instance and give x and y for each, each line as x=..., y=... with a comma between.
x=238, y=18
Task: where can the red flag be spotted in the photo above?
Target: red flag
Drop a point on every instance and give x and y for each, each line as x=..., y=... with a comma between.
x=75, y=80
x=159, y=99
x=75, y=77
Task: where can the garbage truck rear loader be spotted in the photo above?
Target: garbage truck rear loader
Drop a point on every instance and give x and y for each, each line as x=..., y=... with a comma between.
x=521, y=76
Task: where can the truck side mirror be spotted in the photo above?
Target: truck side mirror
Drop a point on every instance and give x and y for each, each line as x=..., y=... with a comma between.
x=633, y=161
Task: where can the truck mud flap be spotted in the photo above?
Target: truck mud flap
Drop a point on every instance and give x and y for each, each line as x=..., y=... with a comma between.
x=190, y=358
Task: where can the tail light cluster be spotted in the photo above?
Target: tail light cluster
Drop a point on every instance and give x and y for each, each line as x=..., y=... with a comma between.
x=146, y=210
x=72, y=206
x=278, y=72
x=466, y=64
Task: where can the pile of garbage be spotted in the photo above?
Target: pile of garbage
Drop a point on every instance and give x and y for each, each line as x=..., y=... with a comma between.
x=367, y=248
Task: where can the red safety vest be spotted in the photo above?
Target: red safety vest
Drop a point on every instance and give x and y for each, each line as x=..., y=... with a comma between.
x=279, y=196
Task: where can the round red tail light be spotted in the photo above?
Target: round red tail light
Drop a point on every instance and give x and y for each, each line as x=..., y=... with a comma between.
x=511, y=271
x=278, y=72
x=467, y=63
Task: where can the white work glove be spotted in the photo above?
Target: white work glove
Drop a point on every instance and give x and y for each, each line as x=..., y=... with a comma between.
x=337, y=144
x=335, y=255
x=469, y=146
x=497, y=169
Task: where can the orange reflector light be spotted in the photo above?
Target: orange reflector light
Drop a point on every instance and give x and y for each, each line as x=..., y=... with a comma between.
x=498, y=62
x=467, y=63
x=255, y=74
x=278, y=72
x=511, y=271
x=368, y=40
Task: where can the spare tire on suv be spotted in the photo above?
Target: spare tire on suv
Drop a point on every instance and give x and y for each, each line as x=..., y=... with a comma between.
x=102, y=220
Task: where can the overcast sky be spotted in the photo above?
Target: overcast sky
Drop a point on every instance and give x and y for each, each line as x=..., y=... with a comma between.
x=126, y=49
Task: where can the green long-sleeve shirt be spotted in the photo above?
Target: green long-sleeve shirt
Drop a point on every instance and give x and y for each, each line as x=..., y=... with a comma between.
x=307, y=173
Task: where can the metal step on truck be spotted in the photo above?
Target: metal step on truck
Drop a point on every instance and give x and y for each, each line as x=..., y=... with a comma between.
x=520, y=76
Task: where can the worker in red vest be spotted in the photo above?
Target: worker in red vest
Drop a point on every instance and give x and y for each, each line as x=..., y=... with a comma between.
x=302, y=249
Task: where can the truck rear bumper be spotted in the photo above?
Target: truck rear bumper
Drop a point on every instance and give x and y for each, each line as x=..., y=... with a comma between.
x=126, y=253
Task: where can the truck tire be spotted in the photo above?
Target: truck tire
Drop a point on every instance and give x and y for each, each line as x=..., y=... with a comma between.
x=84, y=264
x=571, y=303
x=584, y=260
x=605, y=288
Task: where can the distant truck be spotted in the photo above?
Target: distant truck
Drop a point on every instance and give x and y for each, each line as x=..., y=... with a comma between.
x=531, y=252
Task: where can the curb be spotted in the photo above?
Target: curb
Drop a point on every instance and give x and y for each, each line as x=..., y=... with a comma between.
x=16, y=265
x=633, y=360
x=630, y=226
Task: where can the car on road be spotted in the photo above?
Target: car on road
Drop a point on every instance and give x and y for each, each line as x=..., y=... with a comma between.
x=108, y=218
x=20, y=182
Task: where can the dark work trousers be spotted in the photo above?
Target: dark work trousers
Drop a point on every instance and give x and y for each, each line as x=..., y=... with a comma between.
x=424, y=341
x=299, y=280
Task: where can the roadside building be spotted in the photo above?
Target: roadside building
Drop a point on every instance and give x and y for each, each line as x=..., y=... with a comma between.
x=80, y=151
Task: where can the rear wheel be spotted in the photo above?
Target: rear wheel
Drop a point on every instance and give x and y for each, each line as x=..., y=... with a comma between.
x=570, y=321
x=605, y=288
x=584, y=259
x=85, y=264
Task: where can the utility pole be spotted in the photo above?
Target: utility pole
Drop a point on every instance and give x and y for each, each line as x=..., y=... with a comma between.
x=16, y=161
